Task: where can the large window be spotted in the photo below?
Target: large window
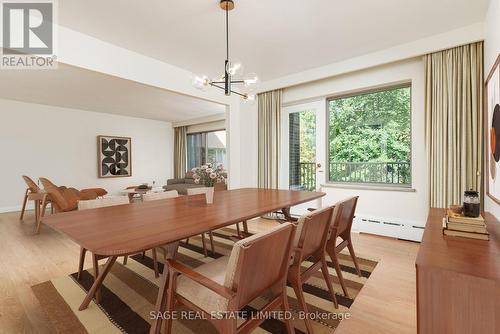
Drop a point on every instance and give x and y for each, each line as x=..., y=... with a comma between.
x=369, y=137
x=206, y=147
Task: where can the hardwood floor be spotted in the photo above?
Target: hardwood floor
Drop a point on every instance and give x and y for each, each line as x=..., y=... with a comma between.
x=386, y=304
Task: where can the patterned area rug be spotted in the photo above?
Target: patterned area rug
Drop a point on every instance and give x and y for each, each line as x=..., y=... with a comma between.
x=129, y=295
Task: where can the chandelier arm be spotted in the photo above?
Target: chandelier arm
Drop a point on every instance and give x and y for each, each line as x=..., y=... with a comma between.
x=232, y=81
x=240, y=94
x=213, y=84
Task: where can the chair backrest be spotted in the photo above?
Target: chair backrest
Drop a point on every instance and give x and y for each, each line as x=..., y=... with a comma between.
x=64, y=199
x=312, y=232
x=32, y=186
x=157, y=196
x=259, y=262
x=343, y=224
x=197, y=191
x=46, y=183
x=103, y=202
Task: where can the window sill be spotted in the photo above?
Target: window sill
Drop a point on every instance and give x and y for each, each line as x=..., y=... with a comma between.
x=368, y=187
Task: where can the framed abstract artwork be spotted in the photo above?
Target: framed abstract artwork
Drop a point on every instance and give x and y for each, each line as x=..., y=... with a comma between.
x=492, y=128
x=114, y=156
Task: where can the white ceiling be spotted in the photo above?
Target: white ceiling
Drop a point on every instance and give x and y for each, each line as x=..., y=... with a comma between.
x=272, y=38
x=73, y=87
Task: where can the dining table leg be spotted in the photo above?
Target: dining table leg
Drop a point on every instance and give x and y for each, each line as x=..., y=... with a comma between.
x=98, y=282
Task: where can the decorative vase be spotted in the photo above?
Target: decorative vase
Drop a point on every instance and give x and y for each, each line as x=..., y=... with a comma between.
x=209, y=195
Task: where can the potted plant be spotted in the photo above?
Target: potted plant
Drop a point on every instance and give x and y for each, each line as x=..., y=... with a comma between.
x=208, y=175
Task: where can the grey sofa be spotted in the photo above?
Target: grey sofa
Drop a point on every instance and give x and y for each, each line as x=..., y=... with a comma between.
x=182, y=185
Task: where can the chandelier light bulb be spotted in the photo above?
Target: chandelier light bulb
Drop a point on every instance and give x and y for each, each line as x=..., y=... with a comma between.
x=234, y=67
x=200, y=82
x=251, y=80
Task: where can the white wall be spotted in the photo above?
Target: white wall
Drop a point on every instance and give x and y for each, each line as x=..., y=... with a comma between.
x=61, y=144
x=491, y=51
x=81, y=50
x=407, y=207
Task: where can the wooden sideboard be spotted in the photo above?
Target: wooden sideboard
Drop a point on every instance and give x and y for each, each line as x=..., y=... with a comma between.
x=458, y=280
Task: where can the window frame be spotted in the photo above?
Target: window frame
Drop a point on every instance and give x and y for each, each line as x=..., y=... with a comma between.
x=366, y=91
x=206, y=143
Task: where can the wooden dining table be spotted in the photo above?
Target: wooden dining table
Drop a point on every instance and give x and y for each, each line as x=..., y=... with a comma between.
x=133, y=228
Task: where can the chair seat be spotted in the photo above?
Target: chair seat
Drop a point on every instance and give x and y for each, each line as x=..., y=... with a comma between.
x=199, y=295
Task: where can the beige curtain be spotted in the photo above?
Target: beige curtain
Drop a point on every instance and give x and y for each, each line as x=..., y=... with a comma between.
x=454, y=123
x=269, y=117
x=180, y=151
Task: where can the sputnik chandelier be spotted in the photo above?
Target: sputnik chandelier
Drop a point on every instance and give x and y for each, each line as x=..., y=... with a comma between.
x=233, y=70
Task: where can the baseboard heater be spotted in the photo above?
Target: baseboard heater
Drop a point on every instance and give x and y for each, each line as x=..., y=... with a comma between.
x=389, y=227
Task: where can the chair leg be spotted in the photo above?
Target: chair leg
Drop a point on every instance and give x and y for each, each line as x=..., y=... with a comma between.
x=170, y=302
x=245, y=227
x=187, y=241
x=40, y=212
x=81, y=262
x=24, y=204
x=203, y=242
x=155, y=263
x=353, y=256
x=143, y=255
x=297, y=287
x=125, y=258
x=336, y=265
x=326, y=276
x=286, y=308
x=227, y=326
x=238, y=230
x=37, y=212
x=44, y=207
x=96, y=274
x=211, y=235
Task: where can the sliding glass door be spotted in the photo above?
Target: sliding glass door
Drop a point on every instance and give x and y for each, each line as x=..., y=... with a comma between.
x=206, y=147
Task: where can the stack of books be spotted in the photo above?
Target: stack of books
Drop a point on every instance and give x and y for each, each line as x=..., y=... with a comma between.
x=458, y=225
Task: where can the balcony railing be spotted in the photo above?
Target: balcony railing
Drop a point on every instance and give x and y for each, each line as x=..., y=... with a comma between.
x=370, y=172
x=306, y=178
x=354, y=172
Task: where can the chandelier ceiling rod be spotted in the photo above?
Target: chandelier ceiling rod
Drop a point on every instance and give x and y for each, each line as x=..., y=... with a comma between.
x=227, y=77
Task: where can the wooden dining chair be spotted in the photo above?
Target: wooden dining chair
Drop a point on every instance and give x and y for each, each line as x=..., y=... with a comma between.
x=32, y=189
x=199, y=191
x=228, y=284
x=154, y=197
x=309, y=245
x=341, y=227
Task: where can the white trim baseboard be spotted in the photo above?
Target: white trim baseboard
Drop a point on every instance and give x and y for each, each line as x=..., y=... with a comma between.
x=16, y=208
